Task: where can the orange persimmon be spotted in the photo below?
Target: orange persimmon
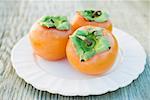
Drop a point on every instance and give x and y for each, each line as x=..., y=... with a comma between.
x=49, y=39
x=97, y=63
x=79, y=20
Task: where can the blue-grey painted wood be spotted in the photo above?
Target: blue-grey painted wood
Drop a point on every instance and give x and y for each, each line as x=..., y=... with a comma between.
x=16, y=18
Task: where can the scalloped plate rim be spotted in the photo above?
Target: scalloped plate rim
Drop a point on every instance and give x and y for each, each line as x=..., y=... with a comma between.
x=83, y=94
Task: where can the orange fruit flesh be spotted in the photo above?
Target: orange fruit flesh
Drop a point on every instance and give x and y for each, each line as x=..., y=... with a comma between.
x=80, y=21
x=98, y=64
x=49, y=43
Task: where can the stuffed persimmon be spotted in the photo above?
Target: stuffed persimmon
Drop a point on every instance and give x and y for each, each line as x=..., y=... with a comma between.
x=92, y=50
x=91, y=17
x=49, y=36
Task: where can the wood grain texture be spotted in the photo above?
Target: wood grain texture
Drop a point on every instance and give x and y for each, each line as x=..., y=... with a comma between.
x=16, y=18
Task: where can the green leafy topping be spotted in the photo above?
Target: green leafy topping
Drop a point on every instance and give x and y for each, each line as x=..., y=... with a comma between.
x=89, y=42
x=97, y=16
x=102, y=45
x=58, y=22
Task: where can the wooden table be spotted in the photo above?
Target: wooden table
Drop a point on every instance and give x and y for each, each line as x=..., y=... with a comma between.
x=16, y=18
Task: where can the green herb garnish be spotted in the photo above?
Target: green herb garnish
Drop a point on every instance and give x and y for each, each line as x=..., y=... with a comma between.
x=58, y=22
x=97, y=16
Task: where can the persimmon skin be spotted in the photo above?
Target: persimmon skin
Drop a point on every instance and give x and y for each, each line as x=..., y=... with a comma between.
x=80, y=21
x=99, y=63
x=49, y=43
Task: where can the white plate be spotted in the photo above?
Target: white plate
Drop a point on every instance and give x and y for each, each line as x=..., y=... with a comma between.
x=59, y=77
